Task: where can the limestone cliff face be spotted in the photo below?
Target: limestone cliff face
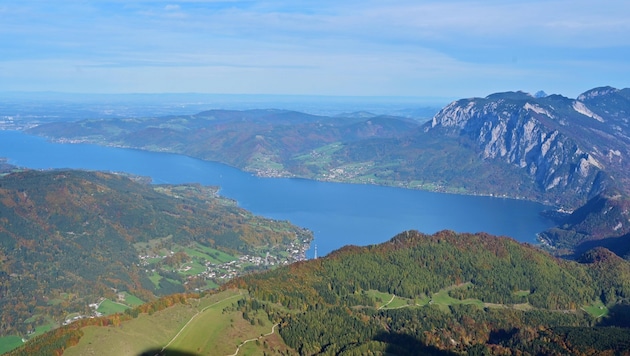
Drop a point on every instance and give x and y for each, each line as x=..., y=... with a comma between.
x=564, y=144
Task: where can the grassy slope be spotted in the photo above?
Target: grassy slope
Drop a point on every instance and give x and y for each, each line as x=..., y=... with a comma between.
x=110, y=307
x=205, y=329
x=8, y=343
x=212, y=329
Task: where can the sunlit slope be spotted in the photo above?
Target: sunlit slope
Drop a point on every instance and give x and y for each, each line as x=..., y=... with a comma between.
x=435, y=294
x=69, y=238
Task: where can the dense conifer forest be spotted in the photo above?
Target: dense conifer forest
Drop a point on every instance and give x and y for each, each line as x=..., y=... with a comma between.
x=441, y=294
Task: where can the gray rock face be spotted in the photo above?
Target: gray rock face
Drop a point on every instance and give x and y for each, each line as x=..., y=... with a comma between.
x=563, y=144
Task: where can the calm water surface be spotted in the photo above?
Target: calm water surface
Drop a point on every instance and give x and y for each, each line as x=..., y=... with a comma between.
x=338, y=214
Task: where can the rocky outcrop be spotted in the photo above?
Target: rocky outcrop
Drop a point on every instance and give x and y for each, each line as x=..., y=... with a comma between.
x=568, y=147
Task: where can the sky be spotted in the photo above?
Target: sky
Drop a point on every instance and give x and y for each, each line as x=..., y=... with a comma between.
x=412, y=48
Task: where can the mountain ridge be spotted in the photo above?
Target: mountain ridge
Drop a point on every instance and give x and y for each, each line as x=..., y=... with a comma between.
x=552, y=149
x=536, y=135
x=441, y=294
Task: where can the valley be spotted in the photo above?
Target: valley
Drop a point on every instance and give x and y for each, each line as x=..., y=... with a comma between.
x=566, y=153
x=314, y=178
x=116, y=253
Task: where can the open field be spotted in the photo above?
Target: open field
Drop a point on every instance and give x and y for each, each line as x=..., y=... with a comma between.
x=8, y=343
x=207, y=253
x=155, y=278
x=132, y=300
x=191, y=269
x=43, y=329
x=381, y=297
x=321, y=156
x=213, y=332
x=108, y=307
x=444, y=300
x=597, y=310
x=399, y=302
x=200, y=327
x=522, y=293
x=441, y=298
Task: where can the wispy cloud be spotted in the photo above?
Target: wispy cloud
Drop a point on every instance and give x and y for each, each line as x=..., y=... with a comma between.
x=305, y=47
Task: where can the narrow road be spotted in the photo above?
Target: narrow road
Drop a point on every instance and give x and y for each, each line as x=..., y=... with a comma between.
x=238, y=348
x=194, y=316
x=386, y=304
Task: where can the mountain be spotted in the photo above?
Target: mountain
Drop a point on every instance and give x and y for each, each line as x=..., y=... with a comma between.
x=72, y=238
x=603, y=221
x=573, y=147
x=567, y=152
x=259, y=141
x=551, y=149
x=540, y=94
x=441, y=294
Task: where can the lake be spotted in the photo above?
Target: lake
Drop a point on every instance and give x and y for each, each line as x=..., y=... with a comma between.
x=338, y=214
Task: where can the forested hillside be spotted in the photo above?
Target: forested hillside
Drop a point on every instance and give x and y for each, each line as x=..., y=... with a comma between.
x=441, y=294
x=259, y=141
x=456, y=292
x=69, y=239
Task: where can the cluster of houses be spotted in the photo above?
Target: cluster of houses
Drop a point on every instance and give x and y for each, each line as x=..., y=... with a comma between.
x=225, y=271
x=221, y=272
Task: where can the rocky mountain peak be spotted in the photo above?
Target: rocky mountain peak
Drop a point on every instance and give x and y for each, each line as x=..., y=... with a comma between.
x=563, y=144
x=597, y=92
x=510, y=95
x=540, y=94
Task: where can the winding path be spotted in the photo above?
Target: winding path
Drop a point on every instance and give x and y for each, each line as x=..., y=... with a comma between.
x=238, y=348
x=194, y=316
x=386, y=304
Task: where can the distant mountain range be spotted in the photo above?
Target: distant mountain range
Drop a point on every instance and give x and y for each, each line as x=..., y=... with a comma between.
x=545, y=148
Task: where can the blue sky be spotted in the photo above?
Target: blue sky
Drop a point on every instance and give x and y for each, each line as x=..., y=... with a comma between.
x=358, y=48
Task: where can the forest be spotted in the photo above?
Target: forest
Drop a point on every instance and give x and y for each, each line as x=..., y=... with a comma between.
x=440, y=294
x=69, y=238
x=520, y=299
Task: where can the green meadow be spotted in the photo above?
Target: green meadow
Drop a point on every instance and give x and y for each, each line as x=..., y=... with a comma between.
x=8, y=343
x=200, y=327
x=108, y=307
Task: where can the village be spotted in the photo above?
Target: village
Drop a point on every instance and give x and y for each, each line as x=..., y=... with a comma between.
x=219, y=273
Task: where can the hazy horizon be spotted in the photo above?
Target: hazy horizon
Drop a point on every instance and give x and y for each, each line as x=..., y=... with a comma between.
x=50, y=106
x=439, y=49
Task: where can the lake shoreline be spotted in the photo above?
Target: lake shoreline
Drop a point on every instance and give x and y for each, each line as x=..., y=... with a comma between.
x=270, y=173
x=339, y=213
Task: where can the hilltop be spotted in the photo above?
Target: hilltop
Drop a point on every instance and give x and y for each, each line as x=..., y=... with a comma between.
x=441, y=294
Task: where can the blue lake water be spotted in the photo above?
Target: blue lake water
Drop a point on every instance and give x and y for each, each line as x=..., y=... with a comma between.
x=338, y=214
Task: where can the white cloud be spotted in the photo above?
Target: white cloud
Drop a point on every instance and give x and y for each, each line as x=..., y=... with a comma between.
x=324, y=47
x=171, y=7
